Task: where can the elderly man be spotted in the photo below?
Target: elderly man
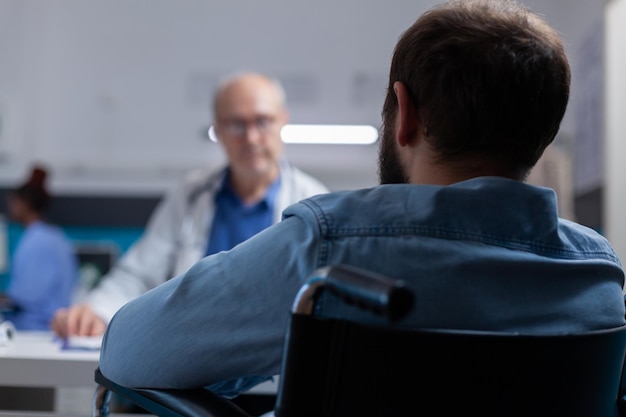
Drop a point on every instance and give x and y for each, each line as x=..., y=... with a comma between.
x=477, y=90
x=210, y=211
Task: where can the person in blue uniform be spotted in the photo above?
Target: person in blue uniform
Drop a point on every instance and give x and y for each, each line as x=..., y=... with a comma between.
x=44, y=270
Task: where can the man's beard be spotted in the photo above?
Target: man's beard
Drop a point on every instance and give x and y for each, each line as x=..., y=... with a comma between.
x=390, y=169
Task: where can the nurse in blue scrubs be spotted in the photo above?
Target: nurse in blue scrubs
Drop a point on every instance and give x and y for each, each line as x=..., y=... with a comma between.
x=44, y=267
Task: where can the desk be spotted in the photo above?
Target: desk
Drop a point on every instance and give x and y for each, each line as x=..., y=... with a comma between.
x=35, y=359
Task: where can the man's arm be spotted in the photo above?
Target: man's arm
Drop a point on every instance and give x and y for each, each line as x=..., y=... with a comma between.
x=145, y=265
x=225, y=318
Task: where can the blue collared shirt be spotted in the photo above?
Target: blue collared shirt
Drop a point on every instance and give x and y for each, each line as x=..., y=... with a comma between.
x=486, y=254
x=234, y=221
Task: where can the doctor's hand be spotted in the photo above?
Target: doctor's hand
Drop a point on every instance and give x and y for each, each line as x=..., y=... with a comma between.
x=77, y=320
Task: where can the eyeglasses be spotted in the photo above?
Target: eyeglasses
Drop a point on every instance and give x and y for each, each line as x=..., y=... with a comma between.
x=239, y=127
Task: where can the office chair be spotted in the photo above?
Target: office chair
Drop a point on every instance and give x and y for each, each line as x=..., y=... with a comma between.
x=336, y=367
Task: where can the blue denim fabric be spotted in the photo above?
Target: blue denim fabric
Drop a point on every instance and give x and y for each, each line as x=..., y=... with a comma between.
x=233, y=387
x=487, y=253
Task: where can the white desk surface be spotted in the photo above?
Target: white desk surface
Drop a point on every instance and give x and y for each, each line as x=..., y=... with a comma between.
x=36, y=359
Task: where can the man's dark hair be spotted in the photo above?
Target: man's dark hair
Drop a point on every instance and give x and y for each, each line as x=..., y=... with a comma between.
x=489, y=78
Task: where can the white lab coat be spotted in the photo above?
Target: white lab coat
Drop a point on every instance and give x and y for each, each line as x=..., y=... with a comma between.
x=177, y=233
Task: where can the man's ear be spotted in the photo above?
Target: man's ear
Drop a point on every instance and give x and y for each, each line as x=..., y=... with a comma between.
x=407, y=122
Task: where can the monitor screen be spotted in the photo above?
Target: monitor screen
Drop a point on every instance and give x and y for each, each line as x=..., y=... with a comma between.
x=95, y=260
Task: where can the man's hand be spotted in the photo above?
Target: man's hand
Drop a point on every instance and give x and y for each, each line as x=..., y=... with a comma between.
x=78, y=320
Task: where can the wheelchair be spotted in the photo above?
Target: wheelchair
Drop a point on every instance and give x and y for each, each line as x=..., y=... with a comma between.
x=338, y=367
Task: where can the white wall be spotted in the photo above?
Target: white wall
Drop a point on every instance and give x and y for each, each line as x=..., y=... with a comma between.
x=615, y=171
x=114, y=93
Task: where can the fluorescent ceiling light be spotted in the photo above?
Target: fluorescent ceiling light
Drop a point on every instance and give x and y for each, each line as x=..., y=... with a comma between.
x=330, y=134
x=324, y=134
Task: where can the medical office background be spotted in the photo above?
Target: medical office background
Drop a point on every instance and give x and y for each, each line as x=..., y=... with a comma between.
x=114, y=96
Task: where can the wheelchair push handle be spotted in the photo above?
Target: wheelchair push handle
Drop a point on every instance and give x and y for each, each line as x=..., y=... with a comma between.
x=365, y=289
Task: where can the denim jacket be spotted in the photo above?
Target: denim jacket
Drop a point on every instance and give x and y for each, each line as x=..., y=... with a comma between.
x=488, y=253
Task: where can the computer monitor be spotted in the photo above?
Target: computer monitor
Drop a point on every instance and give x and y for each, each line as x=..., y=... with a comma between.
x=95, y=259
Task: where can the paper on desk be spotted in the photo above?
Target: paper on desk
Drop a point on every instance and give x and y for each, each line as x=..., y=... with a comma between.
x=82, y=343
